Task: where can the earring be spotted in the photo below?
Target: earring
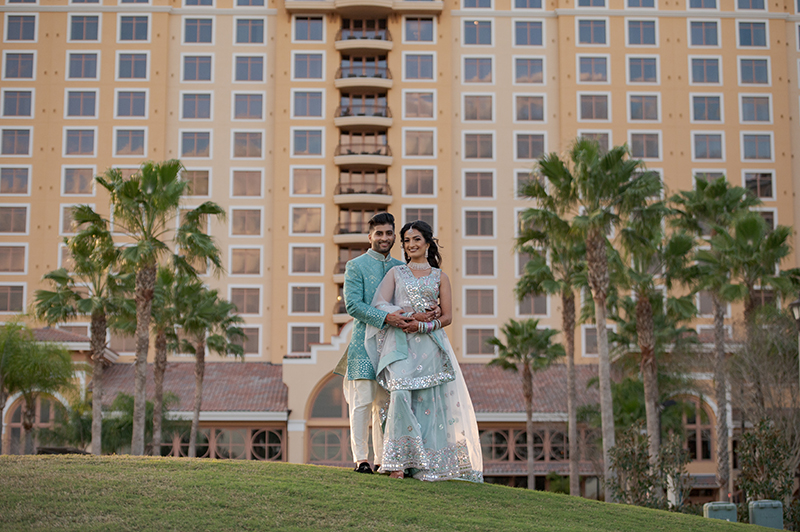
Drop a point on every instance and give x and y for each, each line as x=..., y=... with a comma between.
x=426, y=252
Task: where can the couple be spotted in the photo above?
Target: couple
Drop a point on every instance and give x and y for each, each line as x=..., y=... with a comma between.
x=426, y=426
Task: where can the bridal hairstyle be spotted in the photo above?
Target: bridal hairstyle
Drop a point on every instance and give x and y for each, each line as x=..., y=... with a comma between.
x=434, y=258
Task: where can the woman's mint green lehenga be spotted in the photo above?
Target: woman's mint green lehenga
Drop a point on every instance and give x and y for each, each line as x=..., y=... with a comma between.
x=430, y=424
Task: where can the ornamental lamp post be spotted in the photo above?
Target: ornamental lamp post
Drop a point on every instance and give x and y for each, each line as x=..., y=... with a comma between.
x=794, y=306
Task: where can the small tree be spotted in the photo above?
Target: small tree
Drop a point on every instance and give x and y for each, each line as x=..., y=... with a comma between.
x=117, y=429
x=532, y=349
x=765, y=458
x=73, y=425
x=12, y=337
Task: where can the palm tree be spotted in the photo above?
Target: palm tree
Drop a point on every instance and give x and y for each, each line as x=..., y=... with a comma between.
x=93, y=289
x=12, y=337
x=165, y=316
x=544, y=235
x=532, y=349
x=208, y=322
x=704, y=211
x=145, y=208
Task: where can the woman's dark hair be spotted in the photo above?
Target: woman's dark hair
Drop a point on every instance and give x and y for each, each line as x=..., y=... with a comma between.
x=434, y=258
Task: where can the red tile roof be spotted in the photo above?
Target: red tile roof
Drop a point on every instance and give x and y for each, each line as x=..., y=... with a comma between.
x=497, y=390
x=227, y=386
x=48, y=334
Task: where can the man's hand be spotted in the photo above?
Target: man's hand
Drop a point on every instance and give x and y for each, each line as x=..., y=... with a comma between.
x=430, y=315
x=396, y=319
x=411, y=327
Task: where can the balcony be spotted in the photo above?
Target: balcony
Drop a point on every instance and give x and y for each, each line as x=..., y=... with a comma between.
x=359, y=117
x=363, y=8
x=363, y=77
x=362, y=154
x=366, y=194
x=351, y=233
x=421, y=7
x=309, y=6
x=363, y=41
x=340, y=314
x=338, y=272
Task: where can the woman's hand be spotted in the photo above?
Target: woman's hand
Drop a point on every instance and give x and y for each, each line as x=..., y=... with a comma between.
x=411, y=326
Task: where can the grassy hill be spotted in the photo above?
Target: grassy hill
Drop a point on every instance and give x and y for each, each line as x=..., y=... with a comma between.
x=126, y=493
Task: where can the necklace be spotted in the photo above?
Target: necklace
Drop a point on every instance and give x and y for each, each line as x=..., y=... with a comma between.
x=419, y=265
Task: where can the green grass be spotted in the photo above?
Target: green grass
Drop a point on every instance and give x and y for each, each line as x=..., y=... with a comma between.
x=126, y=493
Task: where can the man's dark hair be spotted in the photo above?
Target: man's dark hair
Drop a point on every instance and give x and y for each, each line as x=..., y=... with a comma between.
x=382, y=218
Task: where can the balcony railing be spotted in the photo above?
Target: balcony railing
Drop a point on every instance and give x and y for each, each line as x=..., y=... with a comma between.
x=351, y=228
x=339, y=307
x=363, y=71
x=372, y=35
x=339, y=267
x=363, y=188
x=381, y=111
x=362, y=149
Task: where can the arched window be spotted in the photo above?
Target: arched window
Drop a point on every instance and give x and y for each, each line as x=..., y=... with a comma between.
x=328, y=425
x=699, y=431
x=45, y=415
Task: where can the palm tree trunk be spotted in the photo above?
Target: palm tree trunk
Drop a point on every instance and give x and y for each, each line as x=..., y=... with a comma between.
x=158, y=380
x=199, y=372
x=568, y=329
x=28, y=419
x=3, y=399
x=527, y=392
x=721, y=397
x=98, y=331
x=597, y=261
x=649, y=368
x=145, y=282
x=749, y=326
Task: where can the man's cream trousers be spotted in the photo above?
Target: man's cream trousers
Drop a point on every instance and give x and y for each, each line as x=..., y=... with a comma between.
x=364, y=398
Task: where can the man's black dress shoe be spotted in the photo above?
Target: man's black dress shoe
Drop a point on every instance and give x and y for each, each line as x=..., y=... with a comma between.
x=363, y=467
x=376, y=467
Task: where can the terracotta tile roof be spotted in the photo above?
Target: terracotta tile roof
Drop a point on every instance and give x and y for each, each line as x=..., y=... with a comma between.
x=497, y=390
x=227, y=386
x=48, y=334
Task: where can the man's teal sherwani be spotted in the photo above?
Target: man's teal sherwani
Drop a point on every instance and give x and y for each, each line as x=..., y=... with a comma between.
x=361, y=279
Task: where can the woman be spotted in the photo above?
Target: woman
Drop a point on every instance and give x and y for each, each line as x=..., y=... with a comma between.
x=430, y=428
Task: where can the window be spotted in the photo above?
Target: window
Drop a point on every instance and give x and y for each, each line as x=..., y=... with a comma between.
x=250, y=31
x=530, y=145
x=707, y=146
x=132, y=104
x=641, y=3
x=84, y=28
x=12, y=259
x=245, y=261
x=197, y=68
x=590, y=347
x=528, y=70
x=307, y=181
x=419, y=143
x=752, y=34
x=308, y=66
x=303, y=338
x=21, y=28
x=249, y=68
x=198, y=30
x=530, y=108
x=133, y=66
x=478, y=32
x=594, y=107
x=195, y=144
x=750, y=4
x=698, y=428
x=754, y=71
x=642, y=70
x=306, y=299
x=762, y=296
x=78, y=181
x=643, y=107
x=419, y=66
x=19, y=66
x=480, y=4
x=591, y=3
x=705, y=70
x=478, y=262
x=247, y=144
x=248, y=106
x=478, y=107
x=306, y=259
x=419, y=182
x=703, y=33
x=603, y=139
x=703, y=4
x=307, y=220
x=591, y=32
x=479, y=302
x=425, y=214
x=15, y=142
x=645, y=145
x=246, y=300
x=478, y=145
x=13, y=180
x=527, y=4
x=477, y=341
x=246, y=183
x=130, y=142
x=307, y=142
x=82, y=66
x=13, y=219
x=12, y=298
x=133, y=28
x=477, y=70
x=755, y=109
x=706, y=109
x=528, y=33
x=197, y=182
x=245, y=222
x=641, y=32
x=79, y=142
x=593, y=69
x=308, y=104
x=17, y=103
x=478, y=185
x=533, y=305
x=419, y=105
x=419, y=30
x=309, y=29
x=757, y=146
x=759, y=184
x=479, y=223
x=68, y=225
x=191, y=2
